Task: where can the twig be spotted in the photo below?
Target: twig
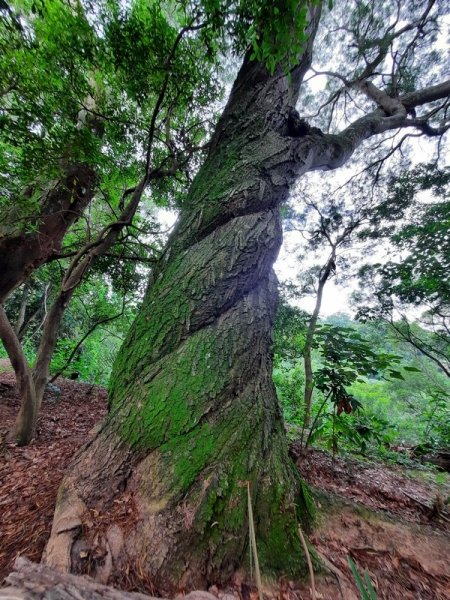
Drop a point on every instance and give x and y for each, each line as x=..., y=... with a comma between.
x=82, y=340
x=340, y=577
x=308, y=560
x=251, y=526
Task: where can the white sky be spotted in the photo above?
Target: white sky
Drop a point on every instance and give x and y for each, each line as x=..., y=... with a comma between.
x=287, y=267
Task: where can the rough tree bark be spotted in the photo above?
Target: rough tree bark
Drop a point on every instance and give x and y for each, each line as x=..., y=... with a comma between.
x=30, y=581
x=22, y=252
x=193, y=411
x=194, y=414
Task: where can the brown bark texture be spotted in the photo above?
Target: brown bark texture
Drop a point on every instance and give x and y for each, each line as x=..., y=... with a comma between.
x=23, y=251
x=194, y=414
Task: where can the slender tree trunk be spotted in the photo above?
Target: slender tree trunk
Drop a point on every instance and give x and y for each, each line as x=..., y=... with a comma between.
x=193, y=410
x=25, y=422
x=307, y=358
x=28, y=321
x=20, y=254
x=47, y=344
x=22, y=311
x=31, y=384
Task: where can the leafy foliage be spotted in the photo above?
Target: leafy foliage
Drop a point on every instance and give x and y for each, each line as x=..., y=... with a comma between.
x=372, y=393
x=81, y=84
x=416, y=217
x=346, y=357
x=275, y=31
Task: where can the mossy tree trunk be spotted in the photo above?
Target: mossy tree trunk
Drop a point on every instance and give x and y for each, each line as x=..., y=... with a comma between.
x=193, y=410
x=193, y=414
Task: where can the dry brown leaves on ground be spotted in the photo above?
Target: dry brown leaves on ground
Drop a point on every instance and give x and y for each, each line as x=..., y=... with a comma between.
x=384, y=520
x=375, y=485
x=30, y=476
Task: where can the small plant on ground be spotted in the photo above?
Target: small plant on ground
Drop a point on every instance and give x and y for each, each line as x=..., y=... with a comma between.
x=365, y=587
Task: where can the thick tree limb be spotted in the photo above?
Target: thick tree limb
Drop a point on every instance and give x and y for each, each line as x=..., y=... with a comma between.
x=331, y=151
x=22, y=252
x=31, y=581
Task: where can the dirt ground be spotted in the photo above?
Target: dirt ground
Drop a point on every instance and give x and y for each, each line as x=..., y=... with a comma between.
x=380, y=516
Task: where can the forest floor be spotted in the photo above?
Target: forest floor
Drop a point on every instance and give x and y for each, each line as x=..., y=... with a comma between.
x=30, y=476
x=383, y=517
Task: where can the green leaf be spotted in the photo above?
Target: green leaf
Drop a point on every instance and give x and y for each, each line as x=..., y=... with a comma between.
x=370, y=588
x=367, y=593
x=396, y=375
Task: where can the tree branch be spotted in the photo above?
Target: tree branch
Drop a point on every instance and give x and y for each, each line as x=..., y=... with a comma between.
x=331, y=151
x=83, y=339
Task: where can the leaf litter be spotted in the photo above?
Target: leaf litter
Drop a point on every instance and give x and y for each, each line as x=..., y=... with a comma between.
x=30, y=475
x=379, y=516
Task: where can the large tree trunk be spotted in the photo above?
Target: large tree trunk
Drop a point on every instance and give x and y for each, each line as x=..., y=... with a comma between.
x=193, y=411
x=194, y=417
x=161, y=489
